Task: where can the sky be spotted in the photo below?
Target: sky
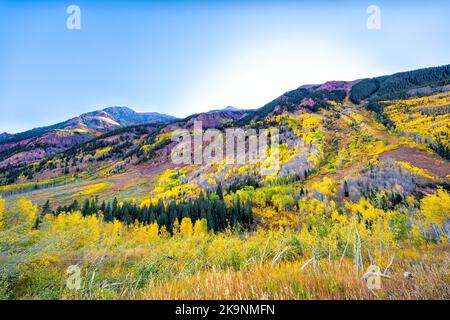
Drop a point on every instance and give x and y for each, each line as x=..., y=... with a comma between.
x=184, y=57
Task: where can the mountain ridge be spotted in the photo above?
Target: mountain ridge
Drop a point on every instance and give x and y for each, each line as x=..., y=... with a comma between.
x=35, y=145
x=143, y=117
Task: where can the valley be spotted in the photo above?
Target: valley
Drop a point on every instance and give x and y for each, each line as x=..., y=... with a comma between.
x=362, y=178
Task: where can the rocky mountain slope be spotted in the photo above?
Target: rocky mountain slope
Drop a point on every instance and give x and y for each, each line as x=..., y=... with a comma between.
x=36, y=144
x=324, y=132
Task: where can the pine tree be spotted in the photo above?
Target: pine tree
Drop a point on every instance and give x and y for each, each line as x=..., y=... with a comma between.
x=220, y=191
x=346, y=193
x=46, y=207
x=85, y=208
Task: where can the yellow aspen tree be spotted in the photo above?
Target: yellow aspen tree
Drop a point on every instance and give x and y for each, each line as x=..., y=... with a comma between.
x=91, y=225
x=436, y=208
x=186, y=228
x=139, y=233
x=176, y=227
x=200, y=227
x=112, y=233
x=153, y=231
x=163, y=232
x=327, y=186
x=2, y=212
x=22, y=214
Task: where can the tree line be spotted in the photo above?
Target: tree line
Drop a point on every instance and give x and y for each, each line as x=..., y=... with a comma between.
x=219, y=214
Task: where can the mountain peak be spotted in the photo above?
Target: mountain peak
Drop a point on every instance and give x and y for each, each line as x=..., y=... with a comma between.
x=126, y=116
x=227, y=109
x=118, y=109
x=27, y=148
x=230, y=108
x=331, y=85
x=5, y=135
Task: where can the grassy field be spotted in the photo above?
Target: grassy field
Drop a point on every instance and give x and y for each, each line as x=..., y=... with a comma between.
x=317, y=280
x=226, y=267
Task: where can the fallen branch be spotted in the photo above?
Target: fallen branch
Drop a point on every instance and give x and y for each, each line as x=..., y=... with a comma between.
x=390, y=264
x=306, y=263
x=367, y=275
x=278, y=256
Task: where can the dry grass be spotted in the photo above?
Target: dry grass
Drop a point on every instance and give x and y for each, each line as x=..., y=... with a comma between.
x=320, y=280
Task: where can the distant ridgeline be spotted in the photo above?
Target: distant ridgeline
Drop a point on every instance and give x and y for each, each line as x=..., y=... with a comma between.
x=401, y=85
x=397, y=86
x=292, y=99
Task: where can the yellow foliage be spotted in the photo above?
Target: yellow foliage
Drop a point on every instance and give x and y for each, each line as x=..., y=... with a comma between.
x=92, y=189
x=71, y=231
x=146, y=148
x=170, y=187
x=104, y=173
x=142, y=234
x=327, y=186
x=436, y=208
x=163, y=233
x=186, y=228
x=12, y=188
x=286, y=153
x=164, y=136
x=22, y=215
x=310, y=121
x=282, y=201
x=176, y=227
x=99, y=152
x=2, y=212
x=426, y=117
x=200, y=227
x=418, y=171
x=366, y=210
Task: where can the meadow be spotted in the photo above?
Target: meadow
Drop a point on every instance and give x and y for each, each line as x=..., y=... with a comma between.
x=325, y=259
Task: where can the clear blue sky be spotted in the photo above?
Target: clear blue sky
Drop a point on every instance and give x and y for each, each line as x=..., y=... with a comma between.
x=181, y=57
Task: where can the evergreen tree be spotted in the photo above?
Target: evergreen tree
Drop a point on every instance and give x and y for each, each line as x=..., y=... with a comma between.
x=46, y=207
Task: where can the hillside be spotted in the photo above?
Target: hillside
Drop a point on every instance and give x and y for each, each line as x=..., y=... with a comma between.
x=5, y=135
x=353, y=186
x=309, y=98
x=36, y=144
x=323, y=114
x=402, y=84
